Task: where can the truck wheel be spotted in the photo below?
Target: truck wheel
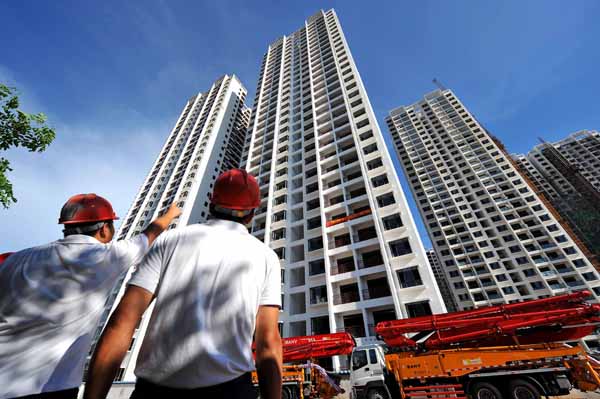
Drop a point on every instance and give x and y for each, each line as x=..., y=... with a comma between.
x=521, y=389
x=286, y=393
x=485, y=390
x=376, y=394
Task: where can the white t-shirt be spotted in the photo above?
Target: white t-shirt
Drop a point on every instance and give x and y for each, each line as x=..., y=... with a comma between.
x=51, y=300
x=209, y=280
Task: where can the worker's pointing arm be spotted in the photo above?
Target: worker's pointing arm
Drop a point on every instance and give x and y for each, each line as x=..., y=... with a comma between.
x=115, y=341
x=116, y=337
x=161, y=223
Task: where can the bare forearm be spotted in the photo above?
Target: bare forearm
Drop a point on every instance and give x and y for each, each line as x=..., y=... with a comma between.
x=269, y=368
x=106, y=360
x=161, y=223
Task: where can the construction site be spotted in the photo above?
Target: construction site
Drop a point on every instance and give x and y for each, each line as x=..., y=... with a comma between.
x=292, y=249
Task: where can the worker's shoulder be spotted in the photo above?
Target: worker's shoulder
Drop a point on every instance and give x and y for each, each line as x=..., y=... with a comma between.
x=264, y=248
x=37, y=249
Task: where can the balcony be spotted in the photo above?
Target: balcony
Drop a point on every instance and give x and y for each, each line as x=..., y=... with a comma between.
x=352, y=216
x=318, y=295
x=343, y=265
x=364, y=234
x=370, y=259
x=340, y=241
x=354, y=325
x=377, y=288
x=347, y=294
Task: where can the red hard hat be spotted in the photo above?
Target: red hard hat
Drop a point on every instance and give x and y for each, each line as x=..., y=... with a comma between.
x=236, y=189
x=4, y=256
x=86, y=208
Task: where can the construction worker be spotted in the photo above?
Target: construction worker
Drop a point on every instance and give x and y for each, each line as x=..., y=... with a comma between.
x=215, y=286
x=52, y=297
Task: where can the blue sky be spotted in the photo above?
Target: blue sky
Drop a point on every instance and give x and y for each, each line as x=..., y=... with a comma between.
x=113, y=76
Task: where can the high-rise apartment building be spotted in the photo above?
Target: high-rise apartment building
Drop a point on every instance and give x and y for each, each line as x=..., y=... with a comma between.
x=207, y=139
x=332, y=209
x=442, y=281
x=497, y=240
x=567, y=173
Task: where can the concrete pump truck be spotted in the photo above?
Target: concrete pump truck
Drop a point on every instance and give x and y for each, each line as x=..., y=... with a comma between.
x=512, y=351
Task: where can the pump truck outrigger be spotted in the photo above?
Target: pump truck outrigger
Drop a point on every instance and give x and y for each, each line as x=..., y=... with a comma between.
x=307, y=379
x=514, y=351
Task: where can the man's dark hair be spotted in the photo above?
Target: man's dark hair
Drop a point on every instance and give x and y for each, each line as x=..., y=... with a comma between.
x=83, y=228
x=225, y=216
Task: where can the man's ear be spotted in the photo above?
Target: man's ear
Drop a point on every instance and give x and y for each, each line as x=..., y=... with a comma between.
x=105, y=231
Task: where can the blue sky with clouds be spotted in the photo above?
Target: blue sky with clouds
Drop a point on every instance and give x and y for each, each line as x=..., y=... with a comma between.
x=113, y=76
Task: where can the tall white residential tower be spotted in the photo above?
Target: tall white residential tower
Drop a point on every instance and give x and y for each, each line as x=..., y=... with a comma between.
x=567, y=173
x=207, y=139
x=332, y=207
x=497, y=239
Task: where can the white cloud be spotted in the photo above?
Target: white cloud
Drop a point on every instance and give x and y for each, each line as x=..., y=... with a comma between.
x=110, y=160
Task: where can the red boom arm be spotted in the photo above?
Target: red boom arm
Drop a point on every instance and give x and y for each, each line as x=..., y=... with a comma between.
x=564, y=317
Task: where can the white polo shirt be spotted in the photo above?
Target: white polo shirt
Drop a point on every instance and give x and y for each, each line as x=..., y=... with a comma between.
x=51, y=300
x=209, y=280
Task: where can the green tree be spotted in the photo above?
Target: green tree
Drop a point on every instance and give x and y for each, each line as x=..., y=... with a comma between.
x=18, y=129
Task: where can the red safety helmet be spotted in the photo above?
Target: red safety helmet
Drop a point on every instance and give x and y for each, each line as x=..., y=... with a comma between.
x=236, y=189
x=86, y=208
x=4, y=256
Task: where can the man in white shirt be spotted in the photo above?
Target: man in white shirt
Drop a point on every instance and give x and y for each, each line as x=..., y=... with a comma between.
x=52, y=297
x=215, y=287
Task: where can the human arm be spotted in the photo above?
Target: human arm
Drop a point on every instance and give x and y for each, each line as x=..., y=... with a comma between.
x=268, y=352
x=161, y=223
x=115, y=341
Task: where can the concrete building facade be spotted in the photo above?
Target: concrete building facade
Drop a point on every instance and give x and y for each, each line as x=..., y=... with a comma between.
x=333, y=209
x=497, y=240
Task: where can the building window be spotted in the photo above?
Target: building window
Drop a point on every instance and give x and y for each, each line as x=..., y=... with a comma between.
x=417, y=309
x=478, y=296
x=379, y=180
x=278, y=234
x=392, y=222
x=508, y=290
x=409, y=277
x=313, y=223
x=590, y=276
x=385, y=200
x=537, y=285
x=316, y=267
x=400, y=247
x=315, y=243
x=280, y=253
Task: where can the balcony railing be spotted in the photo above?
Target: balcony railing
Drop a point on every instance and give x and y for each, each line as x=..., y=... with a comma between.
x=373, y=294
x=343, y=219
x=318, y=300
x=342, y=268
x=363, y=264
x=346, y=297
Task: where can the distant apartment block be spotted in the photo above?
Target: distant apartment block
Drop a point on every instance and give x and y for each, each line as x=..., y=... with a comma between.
x=332, y=209
x=567, y=173
x=497, y=240
x=207, y=139
x=442, y=281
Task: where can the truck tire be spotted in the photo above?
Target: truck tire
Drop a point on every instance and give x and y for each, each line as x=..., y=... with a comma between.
x=485, y=390
x=375, y=393
x=286, y=393
x=521, y=389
